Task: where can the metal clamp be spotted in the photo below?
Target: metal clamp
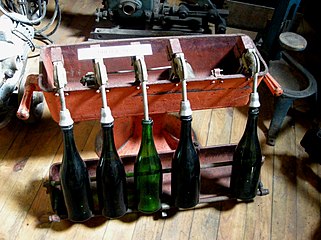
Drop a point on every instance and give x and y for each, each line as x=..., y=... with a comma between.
x=141, y=76
x=60, y=81
x=251, y=65
x=102, y=79
x=180, y=70
x=140, y=69
x=60, y=75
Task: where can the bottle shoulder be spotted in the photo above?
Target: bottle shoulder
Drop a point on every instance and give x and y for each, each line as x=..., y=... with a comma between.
x=110, y=163
x=148, y=164
x=72, y=161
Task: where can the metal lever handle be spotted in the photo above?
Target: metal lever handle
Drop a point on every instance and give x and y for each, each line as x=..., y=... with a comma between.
x=273, y=85
x=31, y=85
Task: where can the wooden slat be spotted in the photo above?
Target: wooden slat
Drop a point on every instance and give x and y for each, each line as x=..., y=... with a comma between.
x=178, y=226
x=206, y=220
x=148, y=228
x=8, y=136
x=200, y=124
x=233, y=216
x=122, y=228
x=308, y=191
x=25, y=176
x=220, y=128
x=284, y=210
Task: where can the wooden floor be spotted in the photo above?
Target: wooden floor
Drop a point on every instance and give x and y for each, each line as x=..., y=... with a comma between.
x=290, y=211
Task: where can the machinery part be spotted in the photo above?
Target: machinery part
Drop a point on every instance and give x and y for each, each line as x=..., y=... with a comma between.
x=31, y=13
x=196, y=16
x=273, y=85
x=129, y=7
x=261, y=190
x=124, y=92
x=282, y=21
x=160, y=17
x=17, y=32
x=31, y=100
x=297, y=83
x=15, y=46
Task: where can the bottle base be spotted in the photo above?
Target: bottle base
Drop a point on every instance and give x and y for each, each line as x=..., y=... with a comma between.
x=75, y=220
x=149, y=212
x=111, y=216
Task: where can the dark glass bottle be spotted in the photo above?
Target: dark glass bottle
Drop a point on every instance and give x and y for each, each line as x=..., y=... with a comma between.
x=247, y=160
x=75, y=180
x=185, y=177
x=111, y=177
x=148, y=176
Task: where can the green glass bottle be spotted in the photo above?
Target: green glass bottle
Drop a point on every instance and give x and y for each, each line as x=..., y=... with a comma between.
x=185, y=176
x=247, y=161
x=148, y=176
x=111, y=177
x=75, y=180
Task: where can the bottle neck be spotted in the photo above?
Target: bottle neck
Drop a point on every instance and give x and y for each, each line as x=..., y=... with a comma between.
x=147, y=133
x=68, y=138
x=108, y=137
x=186, y=128
x=70, y=154
x=251, y=124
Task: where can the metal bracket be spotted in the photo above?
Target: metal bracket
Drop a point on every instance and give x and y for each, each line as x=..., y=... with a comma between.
x=60, y=81
x=100, y=69
x=59, y=72
x=250, y=63
x=141, y=76
x=140, y=68
x=102, y=79
x=180, y=70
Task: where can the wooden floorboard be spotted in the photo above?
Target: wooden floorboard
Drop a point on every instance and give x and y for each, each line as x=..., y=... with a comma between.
x=290, y=211
x=233, y=216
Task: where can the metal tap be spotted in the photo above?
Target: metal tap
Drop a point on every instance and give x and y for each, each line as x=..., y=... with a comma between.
x=250, y=64
x=255, y=66
x=60, y=81
x=102, y=80
x=182, y=70
x=141, y=76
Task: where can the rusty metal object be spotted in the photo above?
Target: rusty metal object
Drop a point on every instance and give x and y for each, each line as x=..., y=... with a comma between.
x=216, y=82
x=30, y=86
x=204, y=53
x=273, y=85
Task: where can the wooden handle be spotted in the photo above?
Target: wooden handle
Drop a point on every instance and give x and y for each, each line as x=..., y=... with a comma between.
x=31, y=85
x=273, y=85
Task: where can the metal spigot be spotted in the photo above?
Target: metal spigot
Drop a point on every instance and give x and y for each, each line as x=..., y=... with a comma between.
x=141, y=76
x=255, y=66
x=182, y=70
x=100, y=71
x=60, y=81
x=250, y=64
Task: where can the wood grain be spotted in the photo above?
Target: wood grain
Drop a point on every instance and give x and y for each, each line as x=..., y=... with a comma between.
x=290, y=211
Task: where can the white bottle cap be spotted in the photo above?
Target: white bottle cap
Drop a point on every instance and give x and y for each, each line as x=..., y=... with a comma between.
x=185, y=109
x=254, y=100
x=65, y=118
x=105, y=115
